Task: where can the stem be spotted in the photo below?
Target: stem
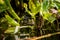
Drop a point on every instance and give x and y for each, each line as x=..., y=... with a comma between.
x=44, y=36
x=16, y=29
x=33, y=21
x=16, y=37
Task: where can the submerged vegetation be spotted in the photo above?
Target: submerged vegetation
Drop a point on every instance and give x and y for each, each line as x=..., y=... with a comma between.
x=29, y=19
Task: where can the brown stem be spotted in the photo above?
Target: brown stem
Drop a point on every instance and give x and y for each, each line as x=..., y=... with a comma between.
x=44, y=36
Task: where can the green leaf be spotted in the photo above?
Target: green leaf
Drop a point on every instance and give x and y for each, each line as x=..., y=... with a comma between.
x=12, y=12
x=46, y=15
x=11, y=21
x=3, y=6
x=34, y=7
x=46, y=4
x=1, y=2
x=10, y=30
x=51, y=19
x=57, y=4
x=3, y=23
